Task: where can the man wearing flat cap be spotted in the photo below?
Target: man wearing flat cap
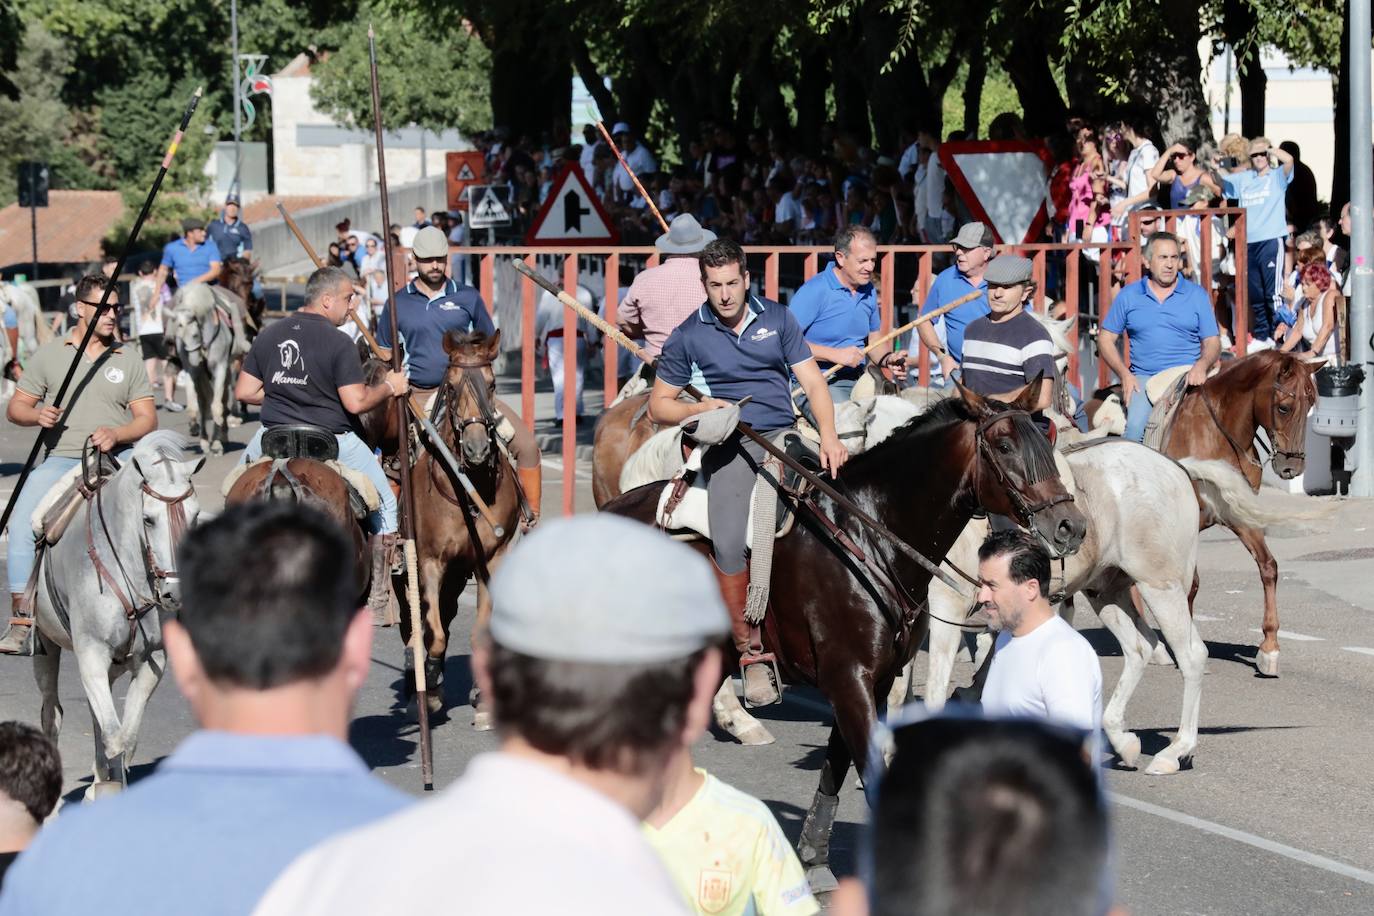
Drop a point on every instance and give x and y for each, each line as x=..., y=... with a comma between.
x=594, y=688
x=972, y=253
x=429, y=307
x=1006, y=350
x=195, y=262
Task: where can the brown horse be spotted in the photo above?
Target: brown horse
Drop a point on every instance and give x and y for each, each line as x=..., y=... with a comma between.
x=236, y=275
x=1271, y=391
x=619, y=432
x=305, y=480
x=836, y=623
x=453, y=541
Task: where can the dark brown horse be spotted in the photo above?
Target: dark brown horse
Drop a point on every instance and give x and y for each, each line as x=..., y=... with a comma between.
x=1271, y=391
x=236, y=275
x=619, y=432
x=453, y=541
x=308, y=481
x=831, y=622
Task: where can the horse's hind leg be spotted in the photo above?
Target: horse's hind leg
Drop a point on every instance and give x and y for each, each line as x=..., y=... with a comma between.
x=734, y=718
x=1267, y=659
x=1170, y=607
x=943, y=646
x=45, y=671
x=1118, y=614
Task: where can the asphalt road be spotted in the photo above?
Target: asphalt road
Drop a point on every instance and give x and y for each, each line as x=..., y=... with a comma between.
x=1274, y=816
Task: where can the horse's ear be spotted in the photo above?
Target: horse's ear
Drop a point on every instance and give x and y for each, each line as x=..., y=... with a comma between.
x=1313, y=363
x=189, y=468
x=448, y=343
x=976, y=402
x=1029, y=395
x=493, y=346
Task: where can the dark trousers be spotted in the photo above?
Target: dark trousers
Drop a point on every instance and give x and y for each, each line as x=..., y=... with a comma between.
x=1264, y=265
x=730, y=470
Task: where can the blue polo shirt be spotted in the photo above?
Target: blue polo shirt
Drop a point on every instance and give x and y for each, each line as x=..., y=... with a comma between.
x=221, y=818
x=1262, y=196
x=423, y=322
x=1163, y=334
x=757, y=361
x=832, y=316
x=949, y=285
x=232, y=239
x=186, y=264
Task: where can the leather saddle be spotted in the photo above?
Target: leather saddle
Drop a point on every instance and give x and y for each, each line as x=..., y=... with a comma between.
x=300, y=440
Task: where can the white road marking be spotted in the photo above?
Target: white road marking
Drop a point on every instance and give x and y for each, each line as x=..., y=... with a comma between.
x=1206, y=618
x=1240, y=836
x=1360, y=649
x=1296, y=637
x=1235, y=591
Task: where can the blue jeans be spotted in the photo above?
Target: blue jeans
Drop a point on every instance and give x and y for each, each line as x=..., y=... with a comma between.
x=354, y=453
x=1138, y=411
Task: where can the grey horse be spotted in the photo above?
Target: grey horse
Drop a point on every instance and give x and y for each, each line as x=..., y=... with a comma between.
x=202, y=331
x=108, y=609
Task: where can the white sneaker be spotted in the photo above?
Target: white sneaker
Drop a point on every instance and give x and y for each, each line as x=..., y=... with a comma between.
x=1257, y=344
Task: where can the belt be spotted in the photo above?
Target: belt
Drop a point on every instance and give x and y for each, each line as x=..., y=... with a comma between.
x=558, y=332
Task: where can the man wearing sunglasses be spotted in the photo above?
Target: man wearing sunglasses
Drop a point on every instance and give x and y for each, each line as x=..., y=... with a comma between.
x=109, y=401
x=1261, y=190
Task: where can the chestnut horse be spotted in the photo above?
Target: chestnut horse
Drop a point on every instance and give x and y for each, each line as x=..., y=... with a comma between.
x=620, y=431
x=838, y=624
x=1267, y=390
x=453, y=541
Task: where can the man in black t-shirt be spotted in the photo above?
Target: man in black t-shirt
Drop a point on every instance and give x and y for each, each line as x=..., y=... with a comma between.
x=1006, y=350
x=303, y=369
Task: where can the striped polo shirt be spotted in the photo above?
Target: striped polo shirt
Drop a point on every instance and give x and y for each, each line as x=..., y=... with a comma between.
x=1001, y=356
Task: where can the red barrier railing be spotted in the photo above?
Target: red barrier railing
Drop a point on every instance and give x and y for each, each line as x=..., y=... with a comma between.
x=811, y=260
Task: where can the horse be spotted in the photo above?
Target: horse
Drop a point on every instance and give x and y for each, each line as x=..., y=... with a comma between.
x=236, y=276
x=848, y=625
x=202, y=331
x=105, y=589
x=620, y=431
x=453, y=541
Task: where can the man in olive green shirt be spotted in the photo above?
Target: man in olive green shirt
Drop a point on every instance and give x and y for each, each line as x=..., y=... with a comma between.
x=109, y=401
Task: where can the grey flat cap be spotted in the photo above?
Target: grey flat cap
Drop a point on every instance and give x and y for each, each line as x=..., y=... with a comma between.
x=430, y=242
x=973, y=235
x=684, y=236
x=605, y=590
x=1007, y=270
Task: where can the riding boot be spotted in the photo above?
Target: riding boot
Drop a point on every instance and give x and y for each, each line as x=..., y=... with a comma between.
x=19, y=635
x=532, y=482
x=379, y=600
x=756, y=666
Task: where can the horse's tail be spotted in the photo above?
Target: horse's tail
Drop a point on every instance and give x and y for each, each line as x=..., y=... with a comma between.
x=1227, y=495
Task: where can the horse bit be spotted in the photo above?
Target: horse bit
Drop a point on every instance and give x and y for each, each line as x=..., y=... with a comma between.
x=1272, y=451
x=1025, y=511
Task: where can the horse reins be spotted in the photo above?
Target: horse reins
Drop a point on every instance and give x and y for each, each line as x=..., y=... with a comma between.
x=1273, y=451
x=1025, y=511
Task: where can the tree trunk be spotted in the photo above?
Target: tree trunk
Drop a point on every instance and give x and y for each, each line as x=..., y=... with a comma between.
x=531, y=78
x=1340, y=169
x=1028, y=66
x=1253, y=83
x=812, y=81
x=851, y=92
x=973, y=89
x=1167, y=78
x=591, y=78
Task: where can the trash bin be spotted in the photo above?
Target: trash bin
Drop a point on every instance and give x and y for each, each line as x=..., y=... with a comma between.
x=1338, y=401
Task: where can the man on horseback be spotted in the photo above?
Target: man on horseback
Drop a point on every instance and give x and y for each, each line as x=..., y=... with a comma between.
x=1006, y=350
x=111, y=404
x=739, y=346
x=193, y=260
x=1170, y=322
x=302, y=369
x=972, y=253
x=428, y=308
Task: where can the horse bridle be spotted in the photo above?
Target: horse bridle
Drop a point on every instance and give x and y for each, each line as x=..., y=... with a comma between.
x=1025, y=511
x=470, y=377
x=204, y=341
x=1273, y=428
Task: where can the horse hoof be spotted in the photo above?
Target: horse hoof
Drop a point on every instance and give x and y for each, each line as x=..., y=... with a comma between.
x=481, y=720
x=217, y=447
x=1129, y=749
x=1161, y=655
x=107, y=788
x=434, y=703
x=821, y=880
x=1162, y=766
x=1267, y=663
x=754, y=736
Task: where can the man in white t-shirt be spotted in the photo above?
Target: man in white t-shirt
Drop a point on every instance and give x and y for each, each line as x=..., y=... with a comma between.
x=1144, y=154
x=1041, y=666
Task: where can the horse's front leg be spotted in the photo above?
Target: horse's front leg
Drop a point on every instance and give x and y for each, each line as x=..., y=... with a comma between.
x=734, y=718
x=1267, y=659
x=219, y=391
x=93, y=664
x=146, y=677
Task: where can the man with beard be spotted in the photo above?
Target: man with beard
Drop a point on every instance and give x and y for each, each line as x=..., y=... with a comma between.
x=1041, y=667
x=427, y=308
x=111, y=403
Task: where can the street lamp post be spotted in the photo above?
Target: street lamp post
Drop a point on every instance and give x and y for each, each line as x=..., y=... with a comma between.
x=1362, y=243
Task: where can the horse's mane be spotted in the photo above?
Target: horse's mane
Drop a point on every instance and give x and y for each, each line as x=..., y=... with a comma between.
x=1254, y=366
x=942, y=414
x=162, y=444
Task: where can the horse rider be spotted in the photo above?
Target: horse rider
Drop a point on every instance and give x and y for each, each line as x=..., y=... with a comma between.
x=303, y=369
x=972, y=253
x=193, y=260
x=662, y=297
x=1007, y=349
x=1170, y=322
x=738, y=345
x=838, y=313
x=229, y=233
x=428, y=308
x=111, y=403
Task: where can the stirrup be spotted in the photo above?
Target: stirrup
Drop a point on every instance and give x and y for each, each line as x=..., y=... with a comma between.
x=765, y=658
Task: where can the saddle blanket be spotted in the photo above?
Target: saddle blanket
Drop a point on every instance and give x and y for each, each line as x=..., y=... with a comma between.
x=56, y=508
x=356, y=480
x=1165, y=391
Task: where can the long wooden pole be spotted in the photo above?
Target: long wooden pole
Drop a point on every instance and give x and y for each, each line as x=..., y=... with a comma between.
x=415, y=410
x=407, y=526
x=653, y=208
x=814, y=479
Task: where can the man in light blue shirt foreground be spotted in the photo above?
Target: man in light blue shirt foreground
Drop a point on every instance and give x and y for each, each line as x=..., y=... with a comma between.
x=270, y=650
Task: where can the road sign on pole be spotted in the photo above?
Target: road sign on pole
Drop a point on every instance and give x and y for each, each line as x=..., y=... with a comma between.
x=1003, y=183
x=572, y=214
x=486, y=209
x=462, y=171
x=33, y=193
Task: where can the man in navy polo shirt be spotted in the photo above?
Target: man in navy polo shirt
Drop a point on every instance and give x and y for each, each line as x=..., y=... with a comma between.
x=735, y=346
x=837, y=310
x=1170, y=323
x=229, y=233
x=427, y=308
x=972, y=251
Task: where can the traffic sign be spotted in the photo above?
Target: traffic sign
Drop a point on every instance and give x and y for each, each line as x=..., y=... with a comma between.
x=487, y=210
x=33, y=184
x=1004, y=183
x=461, y=171
x=572, y=214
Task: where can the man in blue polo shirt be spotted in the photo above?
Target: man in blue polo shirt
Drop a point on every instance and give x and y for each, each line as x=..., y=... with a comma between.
x=837, y=310
x=1261, y=190
x=736, y=346
x=427, y=308
x=193, y=260
x=972, y=251
x=1170, y=323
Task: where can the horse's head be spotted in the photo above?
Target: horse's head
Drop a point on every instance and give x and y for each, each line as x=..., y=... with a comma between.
x=1016, y=474
x=169, y=506
x=1281, y=410
x=471, y=393
x=184, y=330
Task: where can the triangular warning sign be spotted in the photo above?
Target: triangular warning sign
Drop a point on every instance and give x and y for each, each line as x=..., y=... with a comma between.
x=488, y=211
x=1003, y=183
x=466, y=173
x=572, y=214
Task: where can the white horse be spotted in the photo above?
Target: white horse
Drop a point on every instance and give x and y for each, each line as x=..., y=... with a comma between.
x=109, y=611
x=203, y=332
